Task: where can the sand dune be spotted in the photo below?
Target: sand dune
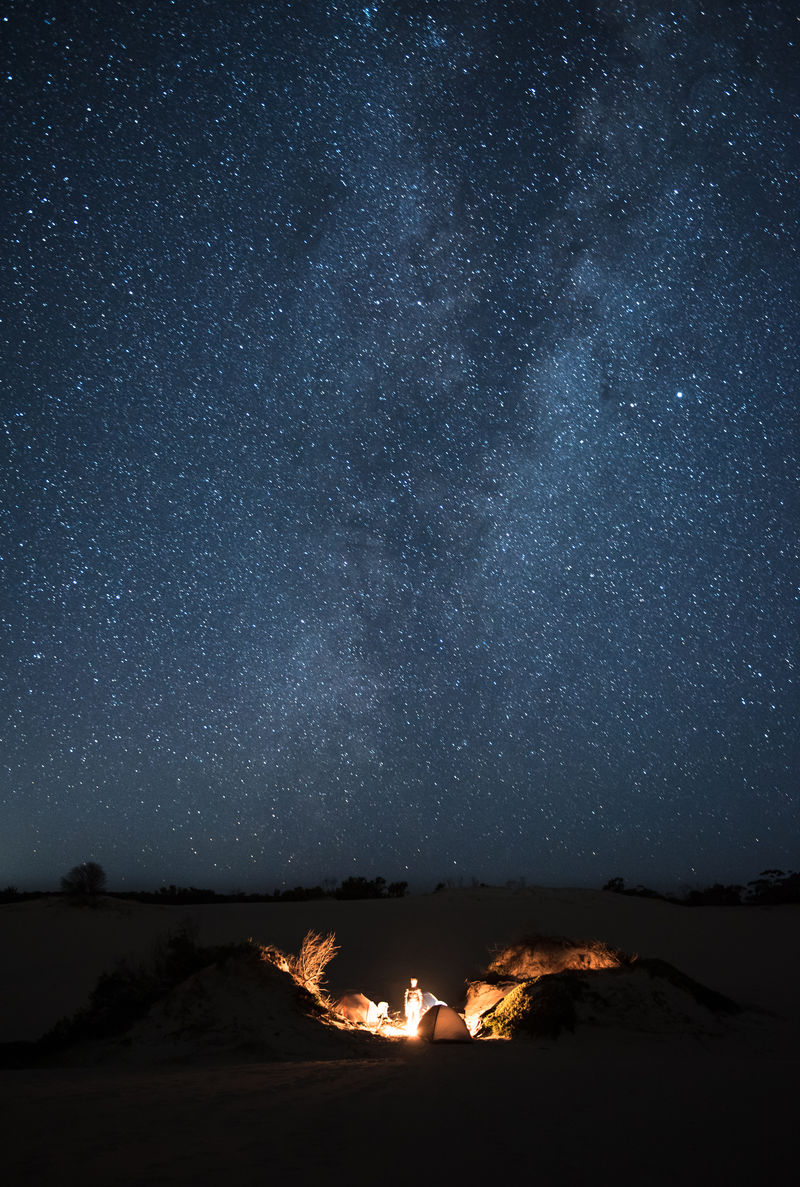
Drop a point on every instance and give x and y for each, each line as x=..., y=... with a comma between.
x=589, y=1107
x=56, y=951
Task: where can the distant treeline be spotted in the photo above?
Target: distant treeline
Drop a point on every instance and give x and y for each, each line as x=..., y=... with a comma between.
x=770, y=889
x=350, y=888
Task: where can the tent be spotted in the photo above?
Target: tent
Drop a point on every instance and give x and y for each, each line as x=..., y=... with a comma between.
x=355, y=1007
x=441, y=1024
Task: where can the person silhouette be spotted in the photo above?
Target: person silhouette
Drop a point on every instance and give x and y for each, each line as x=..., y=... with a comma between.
x=413, y=1006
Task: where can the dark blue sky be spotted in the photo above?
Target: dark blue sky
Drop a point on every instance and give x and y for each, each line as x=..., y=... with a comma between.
x=400, y=441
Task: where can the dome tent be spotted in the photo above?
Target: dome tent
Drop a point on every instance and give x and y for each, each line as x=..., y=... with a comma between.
x=355, y=1007
x=441, y=1024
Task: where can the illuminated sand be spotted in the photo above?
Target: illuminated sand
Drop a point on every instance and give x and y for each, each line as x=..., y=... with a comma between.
x=586, y=1108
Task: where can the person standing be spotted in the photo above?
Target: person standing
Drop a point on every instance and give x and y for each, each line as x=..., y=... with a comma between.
x=413, y=1006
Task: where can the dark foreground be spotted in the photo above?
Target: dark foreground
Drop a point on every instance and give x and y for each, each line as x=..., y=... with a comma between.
x=570, y=1112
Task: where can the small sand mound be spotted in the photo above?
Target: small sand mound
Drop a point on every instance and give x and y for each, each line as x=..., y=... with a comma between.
x=648, y=997
x=191, y=1003
x=251, y=1008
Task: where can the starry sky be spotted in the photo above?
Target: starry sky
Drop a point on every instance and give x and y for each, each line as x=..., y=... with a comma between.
x=400, y=439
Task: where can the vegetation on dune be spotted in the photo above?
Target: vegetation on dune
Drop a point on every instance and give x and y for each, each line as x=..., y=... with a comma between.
x=771, y=888
x=359, y=887
x=542, y=985
x=11, y=894
x=124, y=995
x=309, y=965
x=548, y=969
x=536, y=955
x=540, y=1009
x=84, y=883
x=87, y=882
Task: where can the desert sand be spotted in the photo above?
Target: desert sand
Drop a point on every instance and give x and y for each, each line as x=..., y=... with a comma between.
x=595, y=1106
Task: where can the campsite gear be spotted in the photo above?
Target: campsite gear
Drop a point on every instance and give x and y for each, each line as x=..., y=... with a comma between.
x=441, y=1024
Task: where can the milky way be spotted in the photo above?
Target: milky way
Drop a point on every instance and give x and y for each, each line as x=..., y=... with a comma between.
x=400, y=441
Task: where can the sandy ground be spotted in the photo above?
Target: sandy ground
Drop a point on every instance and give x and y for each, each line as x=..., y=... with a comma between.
x=588, y=1108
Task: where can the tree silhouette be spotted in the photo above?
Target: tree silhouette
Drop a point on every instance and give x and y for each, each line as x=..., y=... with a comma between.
x=84, y=881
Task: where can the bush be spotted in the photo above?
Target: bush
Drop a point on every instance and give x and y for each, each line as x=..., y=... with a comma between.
x=617, y=886
x=316, y=953
x=300, y=894
x=359, y=887
x=536, y=955
x=773, y=888
x=541, y=1009
x=715, y=896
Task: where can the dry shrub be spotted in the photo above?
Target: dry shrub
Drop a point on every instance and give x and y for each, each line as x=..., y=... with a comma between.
x=274, y=956
x=539, y=956
x=316, y=953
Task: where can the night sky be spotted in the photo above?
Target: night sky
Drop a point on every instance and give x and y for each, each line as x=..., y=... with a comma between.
x=400, y=441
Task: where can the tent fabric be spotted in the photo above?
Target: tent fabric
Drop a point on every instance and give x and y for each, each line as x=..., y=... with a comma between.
x=355, y=1007
x=441, y=1024
x=430, y=999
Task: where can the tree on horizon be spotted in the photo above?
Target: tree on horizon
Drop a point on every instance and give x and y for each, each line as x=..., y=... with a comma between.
x=87, y=880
